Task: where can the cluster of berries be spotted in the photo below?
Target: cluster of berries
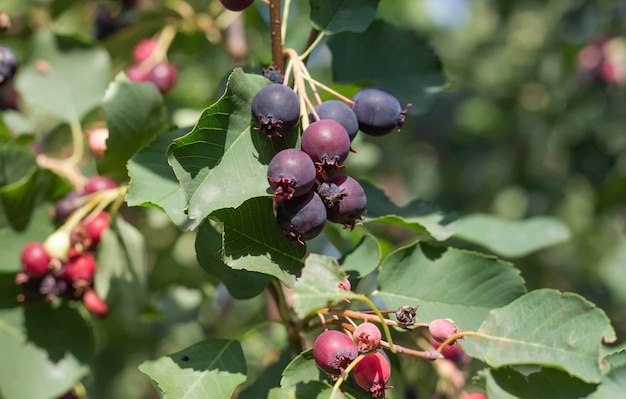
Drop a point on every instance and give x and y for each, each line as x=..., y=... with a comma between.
x=162, y=73
x=63, y=266
x=308, y=188
x=334, y=351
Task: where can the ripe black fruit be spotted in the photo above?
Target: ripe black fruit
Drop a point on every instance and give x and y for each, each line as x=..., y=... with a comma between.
x=347, y=200
x=340, y=112
x=302, y=218
x=8, y=64
x=236, y=5
x=291, y=173
x=275, y=110
x=378, y=111
x=327, y=143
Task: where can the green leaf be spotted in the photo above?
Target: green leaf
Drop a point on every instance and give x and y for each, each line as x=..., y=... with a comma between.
x=548, y=328
x=12, y=242
x=253, y=241
x=334, y=16
x=302, y=369
x=420, y=216
x=208, y=369
x=49, y=348
x=545, y=384
x=613, y=385
x=510, y=238
x=223, y=162
x=363, y=259
x=447, y=283
x=318, y=286
x=153, y=182
x=395, y=58
x=309, y=390
x=241, y=284
x=66, y=85
x=121, y=276
x=134, y=114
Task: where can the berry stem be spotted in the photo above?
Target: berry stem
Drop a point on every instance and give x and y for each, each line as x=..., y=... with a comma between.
x=283, y=28
x=77, y=143
x=371, y=316
x=300, y=86
x=331, y=91
x=160, y=51
x=278, y=58
x=312, y=38
x=311, y=47
x=63, y=168
x=458, y=336
x=345, y=373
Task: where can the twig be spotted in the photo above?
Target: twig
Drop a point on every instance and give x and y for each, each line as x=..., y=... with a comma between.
x=278, y=58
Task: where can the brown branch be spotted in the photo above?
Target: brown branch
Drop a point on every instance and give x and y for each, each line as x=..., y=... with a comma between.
x=278, y=59
x=312, y=36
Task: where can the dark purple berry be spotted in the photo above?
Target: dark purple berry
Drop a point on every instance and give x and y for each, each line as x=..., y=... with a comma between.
x=99, y=183
x=340, y=112
x=378, y=111
x=302, y=218
x=52, y=286
x=236, y=5
x=372, y=373
x=68, y=204
x=275, y=110
x=328, y=145
x=349, y=208
x=291, y=173
x=35, y=259
x=8, y=64
x=333, y=351
x=271, y=74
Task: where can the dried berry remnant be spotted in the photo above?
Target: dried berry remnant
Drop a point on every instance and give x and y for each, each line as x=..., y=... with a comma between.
x=8, y=64
x=378, y=111
x=291, y=173
x=349, y=209
x=406, y=314
x=367, y=336
x=275, y=110
x=328, y=144
x=333, y=351
x=236, y=5
x=372, y=373
x=302, y=218
x=442, y=329
x=340, y=112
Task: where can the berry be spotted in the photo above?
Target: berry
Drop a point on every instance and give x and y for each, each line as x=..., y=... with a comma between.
x=94, y=304
x=340, y=112
x=442, y=329
x=136, y=74
x=96, y=226
x=333, y=351
x=51, y=286
x=143, y=50
x=275, y=110
x=97, y=139
x=351, y=206
x=99, y=183
x=367, y=336
x=81, y=266
x=57, y=244
x=35, y=259
x=474, y=395
x=163, y=75
x=271, y=74
x=327, y=143
x=291, y=173
x=66, y=205
x=8, y=64
x=378, y=111
x=302, y=218
x=452, y=352
x=236, y=5
x=372, y=373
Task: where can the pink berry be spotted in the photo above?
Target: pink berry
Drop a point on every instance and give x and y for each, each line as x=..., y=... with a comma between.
x=143, y=50
x=333, y=351
x=96, y=226
x=80, y=267
x=136, y=74
x=474, y=395
x=163, y=75
x=367, y=336
x=99, y=183
x=97, y=139
x=372, y=373
x=94, y=304
x=35, y=259
x=442, y=329
x=453, y=352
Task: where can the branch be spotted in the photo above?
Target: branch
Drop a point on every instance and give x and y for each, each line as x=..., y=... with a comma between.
x=278, y=59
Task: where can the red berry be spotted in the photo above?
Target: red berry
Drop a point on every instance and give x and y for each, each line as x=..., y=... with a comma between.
x=143, y=50
x=372, y=373
x=442, y=329
x=94, y=304
x=97, y=139
x=367, y=336
x=80, y=267
x=99, y=183
x=453, y=352
x=96, y=226
x=333, y=351
x=163, y=75
x=474, y=395
x=35, y=259
x=136, y=74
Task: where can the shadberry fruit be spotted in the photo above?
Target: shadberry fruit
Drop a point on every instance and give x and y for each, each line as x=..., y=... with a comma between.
x=327, y=143
x=236, y=5
x=367, y=336
x=81, y=266
x=35, y=259
x=97, y=139
x=452, y=352
x=94, y=304
x=340, y=112
x=66, y=205
x=291, y=173
x=378, y=111
x=58, y=244
x=372, y=373
x=474, y=395
x=333, y=351
x=8, y=64
x=143, y=50
x=271, y=74
x=163, y=75
x=302, y=218
x=136, y=73
x=99, y=183
x=96, y=226
x=350, y=206
x=275, y=110
x=442, y=329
